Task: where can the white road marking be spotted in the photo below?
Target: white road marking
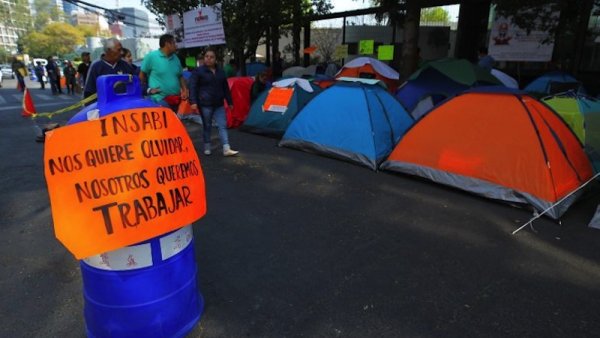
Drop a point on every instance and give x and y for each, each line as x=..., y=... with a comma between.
x=44, y=97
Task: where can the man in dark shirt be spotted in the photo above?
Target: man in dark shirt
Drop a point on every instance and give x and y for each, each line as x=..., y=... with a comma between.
x=83, y=68
x=52, y=69
x=39, y=73
x=109, y=63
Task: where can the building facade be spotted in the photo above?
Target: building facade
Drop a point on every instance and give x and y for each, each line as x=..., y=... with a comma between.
x=136, y=22
x=10, y=27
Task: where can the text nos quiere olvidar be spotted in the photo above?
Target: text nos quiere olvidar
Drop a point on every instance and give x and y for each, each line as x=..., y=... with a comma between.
x=131, y=213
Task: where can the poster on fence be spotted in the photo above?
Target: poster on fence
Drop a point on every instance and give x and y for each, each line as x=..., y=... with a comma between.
x=203, y=26
x=509, y=42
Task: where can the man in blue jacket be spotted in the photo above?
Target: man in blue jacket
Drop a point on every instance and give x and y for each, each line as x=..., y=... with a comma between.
x=208, y=90
x=109, y=63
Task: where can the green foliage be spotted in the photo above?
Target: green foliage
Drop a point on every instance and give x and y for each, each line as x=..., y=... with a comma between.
x=246, y=22
x=17, y=16
x=435, y=14
x=539, y=14
x=392, y=13
x=4, y=55
x=168, y=7
x=55, y=39
x=93, y=30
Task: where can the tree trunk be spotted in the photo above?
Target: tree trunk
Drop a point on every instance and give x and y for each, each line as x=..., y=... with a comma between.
x=274, y=39
x=296, y=28
x=239, y=56
x=306, y=44
x=411, y=38
x=472, y=29
x=582, y=26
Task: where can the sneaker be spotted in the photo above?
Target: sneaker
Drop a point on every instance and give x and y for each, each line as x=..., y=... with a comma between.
x=207, y=149
x=230, y=152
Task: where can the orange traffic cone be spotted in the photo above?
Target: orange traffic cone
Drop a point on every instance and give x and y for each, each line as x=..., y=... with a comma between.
x=28, y=107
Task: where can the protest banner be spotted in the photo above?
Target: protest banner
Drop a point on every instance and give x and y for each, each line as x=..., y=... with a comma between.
x=509, y=42
x=203, y=27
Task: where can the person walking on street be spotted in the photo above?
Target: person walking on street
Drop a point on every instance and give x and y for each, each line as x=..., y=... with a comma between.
x=208, y=90
x=70, y=73
x=163, y=74
x=39, y=73
x=20, y=72
x=57, y=76
x=83, y=68
x=109, y=63
x=51, y=69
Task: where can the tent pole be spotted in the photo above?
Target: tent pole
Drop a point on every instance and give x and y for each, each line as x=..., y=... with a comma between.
x=555, y=204
x=343, y=36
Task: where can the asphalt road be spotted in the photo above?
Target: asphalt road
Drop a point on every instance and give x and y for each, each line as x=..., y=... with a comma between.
x=297, y=245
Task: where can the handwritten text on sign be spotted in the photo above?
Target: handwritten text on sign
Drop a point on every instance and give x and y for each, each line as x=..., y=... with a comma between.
x=122, y=179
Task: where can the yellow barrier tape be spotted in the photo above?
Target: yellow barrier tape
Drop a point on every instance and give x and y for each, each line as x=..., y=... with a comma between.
x=66, y=109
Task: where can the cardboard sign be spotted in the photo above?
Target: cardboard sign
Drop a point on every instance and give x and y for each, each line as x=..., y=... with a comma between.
x=341, y=52
x=366, y=47
x=190, y=62
x=385, y=52
x=125, y=178
x=278, y=99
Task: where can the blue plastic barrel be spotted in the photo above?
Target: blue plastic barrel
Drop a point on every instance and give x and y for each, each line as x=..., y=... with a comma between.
x=143, y=290
x=110, y=101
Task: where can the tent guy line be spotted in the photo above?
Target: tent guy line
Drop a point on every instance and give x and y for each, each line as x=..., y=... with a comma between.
x=555, y=204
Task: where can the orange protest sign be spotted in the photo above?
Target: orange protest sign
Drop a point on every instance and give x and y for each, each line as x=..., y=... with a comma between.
x=278, y=99
x=125, y=178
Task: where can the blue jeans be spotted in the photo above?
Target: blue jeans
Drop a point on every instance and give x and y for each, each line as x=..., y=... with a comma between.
x=218, y=113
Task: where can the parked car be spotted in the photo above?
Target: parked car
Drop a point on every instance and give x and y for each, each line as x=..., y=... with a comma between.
x=7, y=71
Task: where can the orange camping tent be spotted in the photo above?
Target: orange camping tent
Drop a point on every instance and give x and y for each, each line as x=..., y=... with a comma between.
x=506, y=146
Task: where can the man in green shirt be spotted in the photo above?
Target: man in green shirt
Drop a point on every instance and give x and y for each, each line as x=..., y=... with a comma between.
x=161, y=71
